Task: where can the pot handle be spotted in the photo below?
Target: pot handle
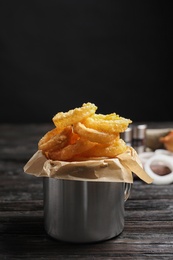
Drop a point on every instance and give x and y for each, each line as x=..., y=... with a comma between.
x=127, y=189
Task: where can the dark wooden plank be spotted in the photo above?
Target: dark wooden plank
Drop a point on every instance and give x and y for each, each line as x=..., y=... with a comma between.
x=19, y=142
x=140, y=190
x=30, y=247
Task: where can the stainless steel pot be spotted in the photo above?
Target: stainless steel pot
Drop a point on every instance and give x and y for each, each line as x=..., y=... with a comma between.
x=84, y=212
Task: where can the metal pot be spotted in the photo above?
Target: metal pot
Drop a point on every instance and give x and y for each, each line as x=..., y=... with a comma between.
x=84, y=211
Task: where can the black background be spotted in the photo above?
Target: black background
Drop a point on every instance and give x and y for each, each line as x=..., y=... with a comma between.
x=56, y=55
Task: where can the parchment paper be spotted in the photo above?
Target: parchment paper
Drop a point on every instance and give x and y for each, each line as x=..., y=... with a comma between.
x=118, y=169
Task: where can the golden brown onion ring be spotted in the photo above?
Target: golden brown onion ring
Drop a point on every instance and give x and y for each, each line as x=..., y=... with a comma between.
x=94, y=135
x=63, y=119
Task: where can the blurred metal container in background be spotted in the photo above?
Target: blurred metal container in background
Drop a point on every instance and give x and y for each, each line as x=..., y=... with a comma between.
x=139, y=138
x=127, y=136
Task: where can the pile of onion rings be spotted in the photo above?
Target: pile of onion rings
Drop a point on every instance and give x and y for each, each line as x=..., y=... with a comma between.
x=80, y=134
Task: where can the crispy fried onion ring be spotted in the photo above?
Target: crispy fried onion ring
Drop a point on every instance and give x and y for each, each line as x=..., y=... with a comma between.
x=110, y=123
x=55, y=140
x=47, y=137
x=81, y=134
x=63, y=119
x=94, y=135
x=72, y=150
x=84, y=149
x=99, y=150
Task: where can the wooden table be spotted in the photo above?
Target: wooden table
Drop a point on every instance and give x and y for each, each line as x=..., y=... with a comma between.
x=148, y=231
